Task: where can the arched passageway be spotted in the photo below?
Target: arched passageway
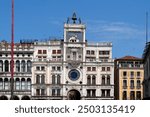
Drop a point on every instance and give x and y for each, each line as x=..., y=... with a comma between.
x=25, y=98
x=74, y=95
x=3, y=97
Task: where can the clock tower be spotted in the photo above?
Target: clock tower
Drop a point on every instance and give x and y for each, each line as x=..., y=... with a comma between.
x=74, y=54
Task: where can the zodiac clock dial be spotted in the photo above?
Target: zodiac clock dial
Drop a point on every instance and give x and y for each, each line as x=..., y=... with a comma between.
x=74, y=74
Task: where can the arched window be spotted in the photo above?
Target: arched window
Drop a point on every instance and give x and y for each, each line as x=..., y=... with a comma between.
x=138, y=84
x=132, y=95
x=37, y=79
x=124, y=97
x=103, y=80
x=108, y=79
x=23, y=84
x=23, y=64
x=29, y=65
x=17, y=66
x=88, y=80
x=53, y=79
x=58, y=79
x=1, y=66
x=1, y=84
x=43, y=79
x=17, y=84
x=92, y=52
x=93, y=80
x=6, y=66
x=132, y=84
x=138, y=95
x=28, y=84
x=6, y=84
x=10, y=65
x=74, y=55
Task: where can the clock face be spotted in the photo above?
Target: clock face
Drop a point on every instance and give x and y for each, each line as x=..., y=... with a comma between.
x=74, y=74
x=77, y=35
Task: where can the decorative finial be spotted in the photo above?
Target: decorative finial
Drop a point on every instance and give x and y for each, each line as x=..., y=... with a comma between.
x=79, y=20
x=68, y=20
x=74, y=18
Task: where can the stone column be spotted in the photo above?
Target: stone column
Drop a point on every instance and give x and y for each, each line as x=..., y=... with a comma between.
x=3, y=66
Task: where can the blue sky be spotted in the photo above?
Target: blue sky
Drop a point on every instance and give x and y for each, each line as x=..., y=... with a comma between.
x=121, y=22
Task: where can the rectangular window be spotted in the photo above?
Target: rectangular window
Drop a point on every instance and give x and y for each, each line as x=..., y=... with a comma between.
x=58, y=68
x=108, y=68
x=107, y=93
x=104, y=52
x=42, y=91
x=38, y=79
x=100, y=52
x=39, y=58
x=138, y=95
x=93, y=68
x=88, y=52
x=37, y=68
x=17, y=85
x=138, y=74
x=39, y=51
x=58, y=92
x=53, y=92
x=103, y=93
x=58, y=51
x=93, y=93
x=132, y=95
x=138, y=84
x=88, y=93
x=1, y=85
x=103, y=68
x=53, y=51
x=44, y=51
x=53, y=68
x=42, y=68
x=88, y=68
x=37, y=91
x=132, y=84
x=74, y=55
x=124, y=97
x=124, y=84
x=132, y=74
x=103, y=80
x=92, y=52
x=124, y=73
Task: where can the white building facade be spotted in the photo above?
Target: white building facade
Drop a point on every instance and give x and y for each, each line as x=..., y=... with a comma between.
x=67, y=69
x=23, y=54
x=72, y=68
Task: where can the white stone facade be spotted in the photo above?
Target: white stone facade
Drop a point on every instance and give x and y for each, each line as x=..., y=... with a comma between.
x=72, y=68
x=23, y=54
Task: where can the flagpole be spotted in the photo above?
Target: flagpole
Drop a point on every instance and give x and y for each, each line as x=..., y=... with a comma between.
x=146, y=27
x=12, y=52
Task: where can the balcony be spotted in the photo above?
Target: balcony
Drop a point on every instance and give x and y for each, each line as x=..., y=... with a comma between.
x=125, y=87
x=138, y=77
x=132, y=77
x=124, y=77
x=132, y=87
x=138, y=87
